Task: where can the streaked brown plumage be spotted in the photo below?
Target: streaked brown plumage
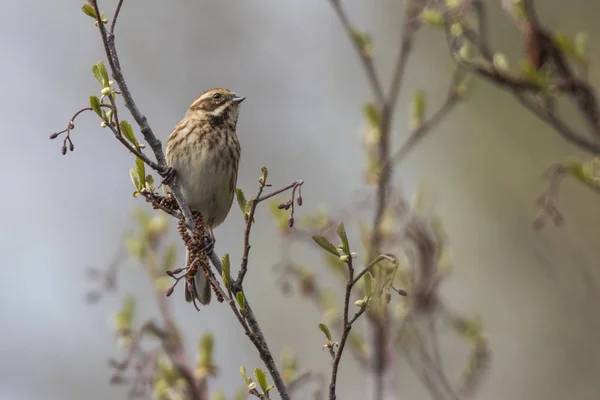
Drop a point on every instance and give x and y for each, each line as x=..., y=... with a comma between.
x=204, y=151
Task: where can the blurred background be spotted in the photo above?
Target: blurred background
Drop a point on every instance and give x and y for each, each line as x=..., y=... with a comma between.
x=536, y=291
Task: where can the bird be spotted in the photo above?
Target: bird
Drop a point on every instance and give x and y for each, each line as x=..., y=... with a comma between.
x=203, y=152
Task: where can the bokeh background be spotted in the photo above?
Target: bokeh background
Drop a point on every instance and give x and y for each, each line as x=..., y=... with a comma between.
x=537, y=291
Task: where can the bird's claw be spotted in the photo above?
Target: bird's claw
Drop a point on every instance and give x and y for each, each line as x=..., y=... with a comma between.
x=208, y=243
x=168, y=175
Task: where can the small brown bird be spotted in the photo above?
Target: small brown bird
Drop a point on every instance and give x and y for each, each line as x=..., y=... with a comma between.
x=204, y=152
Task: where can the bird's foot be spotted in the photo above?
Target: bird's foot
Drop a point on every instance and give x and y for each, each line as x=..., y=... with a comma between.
x=168, y=176
x=208, y=243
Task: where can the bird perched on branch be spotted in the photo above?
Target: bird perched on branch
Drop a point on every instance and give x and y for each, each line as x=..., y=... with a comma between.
x=204, y=152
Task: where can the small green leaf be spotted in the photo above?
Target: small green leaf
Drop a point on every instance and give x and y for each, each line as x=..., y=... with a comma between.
x=101, y=74
x=344, y=258
x=135, y=178
x=226, y=269
x=267, y=390
x=264, y=175
x=128, y=309
x=95, y=105
x=241, y=300
x=141, y=171
x=205, y=347
x=368, y=284
x=341, y=231
x=169, y=258
x=219, y=395
x=245, y=375
x=371, y=114
x=261, y=377
x=363, y=42
x=248, y=207
x=241, y=394
x=88, y=10
x=417, y=110
x=241, y=199
x=326, y=331
x=162, y=283
x=326, y=244
x=581, y=46
x=432, y=17
x=127, y=132
x=150, y=183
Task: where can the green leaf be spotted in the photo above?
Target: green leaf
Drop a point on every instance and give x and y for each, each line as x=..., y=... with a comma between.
x=267, y=390
x=581, y=46
x=371, y=114
x=95, y=105
x=150, y=183
x=141, y=171
x=326, y=244
x=162, y=283
x=135, y=178
x=417, y=110
x=363, y=41
x=205, y=347
x=341, y=231
x=261, y=377
x=264, y=174
x=127, y=132
x=241, y=199
x=241, y=300
x=326, y=331
x=226, y=269
x=219, y=395
x=248, y=207
x=128, y=309
x=368, y=284
x=245, y=375
x=241, y=394
x=169, y=258
x=432, y=17
x=88, y=10
x=101, y=74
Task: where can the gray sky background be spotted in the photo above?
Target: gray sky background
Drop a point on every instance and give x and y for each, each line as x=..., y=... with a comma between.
x=537, y=291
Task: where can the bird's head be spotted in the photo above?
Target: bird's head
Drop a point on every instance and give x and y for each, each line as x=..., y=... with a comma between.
x=217, y=103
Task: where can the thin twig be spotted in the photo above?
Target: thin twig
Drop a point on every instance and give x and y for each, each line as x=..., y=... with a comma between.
x=366, y=61
x=346, y=330
x=108, y=39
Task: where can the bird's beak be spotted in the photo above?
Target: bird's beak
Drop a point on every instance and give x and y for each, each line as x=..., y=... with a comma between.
x=238, y=99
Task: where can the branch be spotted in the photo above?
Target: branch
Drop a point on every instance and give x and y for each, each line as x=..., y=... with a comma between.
x=108, y=39
x=365, y=59
x=245, y=315
x=347, y=324
x=542, y=52
x=294, y=186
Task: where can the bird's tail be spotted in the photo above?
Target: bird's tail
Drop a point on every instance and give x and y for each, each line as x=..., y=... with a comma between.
x=201, y=286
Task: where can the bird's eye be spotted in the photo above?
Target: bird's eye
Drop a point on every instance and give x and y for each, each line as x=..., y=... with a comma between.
x=216, y=96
